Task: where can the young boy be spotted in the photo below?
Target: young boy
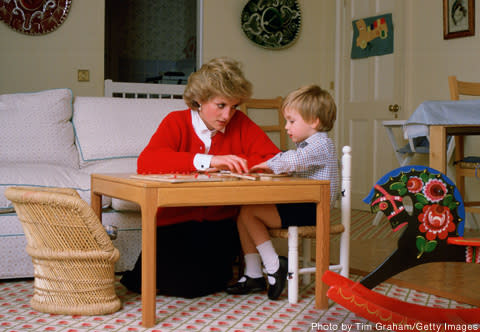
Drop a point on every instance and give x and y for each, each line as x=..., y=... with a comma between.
x=310, y=113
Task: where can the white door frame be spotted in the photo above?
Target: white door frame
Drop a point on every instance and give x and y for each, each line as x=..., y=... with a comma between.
x=199, y=33
x=339, y=18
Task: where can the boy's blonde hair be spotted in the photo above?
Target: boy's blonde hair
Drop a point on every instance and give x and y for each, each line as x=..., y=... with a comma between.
x=220, y=77
x=312, y=102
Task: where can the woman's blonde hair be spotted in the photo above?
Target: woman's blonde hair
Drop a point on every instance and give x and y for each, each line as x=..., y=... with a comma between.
x=220, y=77
x=312, y=102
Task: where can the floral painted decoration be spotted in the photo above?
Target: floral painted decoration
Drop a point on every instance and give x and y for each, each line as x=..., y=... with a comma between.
x=435, y=211
x=426, y=205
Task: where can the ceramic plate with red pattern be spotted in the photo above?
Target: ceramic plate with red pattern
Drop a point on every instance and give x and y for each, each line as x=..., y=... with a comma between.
x=34, y=17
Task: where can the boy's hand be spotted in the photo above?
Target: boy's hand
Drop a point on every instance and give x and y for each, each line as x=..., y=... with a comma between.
x=261, y=167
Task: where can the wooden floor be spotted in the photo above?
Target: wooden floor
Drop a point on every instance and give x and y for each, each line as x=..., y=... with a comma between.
x=457, y=281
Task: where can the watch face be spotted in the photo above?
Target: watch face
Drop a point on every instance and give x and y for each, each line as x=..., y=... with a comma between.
x=271, y=23
x=34, y=17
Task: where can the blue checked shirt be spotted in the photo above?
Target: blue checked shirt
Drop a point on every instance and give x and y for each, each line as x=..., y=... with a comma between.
x=314, y=158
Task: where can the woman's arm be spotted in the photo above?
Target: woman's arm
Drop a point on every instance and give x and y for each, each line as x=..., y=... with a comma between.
x=168, y=150
x=174, y=145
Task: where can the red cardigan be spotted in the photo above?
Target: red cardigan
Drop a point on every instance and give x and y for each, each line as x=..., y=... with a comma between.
x=174, y=145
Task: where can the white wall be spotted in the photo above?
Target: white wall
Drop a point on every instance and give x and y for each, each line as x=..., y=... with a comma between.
x=51, y=61
x=274, y=72
x=32, y=63
x=431, y=59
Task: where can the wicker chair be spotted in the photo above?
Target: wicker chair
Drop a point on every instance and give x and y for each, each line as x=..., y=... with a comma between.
x=72, y=255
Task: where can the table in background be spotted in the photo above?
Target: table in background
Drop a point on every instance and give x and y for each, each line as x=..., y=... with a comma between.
x=152, y=194
x=402, y=157
x=439, y=119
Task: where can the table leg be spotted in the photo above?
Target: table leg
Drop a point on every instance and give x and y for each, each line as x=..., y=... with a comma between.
x=96, y=204
x=149, y=258
x=322, y=249
x=438, y=147
x=403, y=158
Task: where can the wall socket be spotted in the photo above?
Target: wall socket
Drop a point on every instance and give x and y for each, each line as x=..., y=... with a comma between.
x=83, y=75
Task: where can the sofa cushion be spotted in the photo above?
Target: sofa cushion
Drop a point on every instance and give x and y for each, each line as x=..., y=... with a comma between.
x=121, y=165
x=37, y=127
x=111, y=128
x=44, y=175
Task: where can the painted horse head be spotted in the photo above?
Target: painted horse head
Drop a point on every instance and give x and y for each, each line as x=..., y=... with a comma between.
x=419, y=197
x=428, y=203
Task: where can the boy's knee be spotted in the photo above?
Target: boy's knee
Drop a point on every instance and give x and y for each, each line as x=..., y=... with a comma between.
x=247, y=211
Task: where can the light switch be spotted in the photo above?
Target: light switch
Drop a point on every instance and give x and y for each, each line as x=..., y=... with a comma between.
x=83, y=75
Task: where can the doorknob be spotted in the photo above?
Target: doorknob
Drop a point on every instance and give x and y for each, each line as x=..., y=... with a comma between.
x=394, y=109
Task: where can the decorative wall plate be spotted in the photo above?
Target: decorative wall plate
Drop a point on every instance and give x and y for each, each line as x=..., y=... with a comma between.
x=271, y=23
x=34, y=17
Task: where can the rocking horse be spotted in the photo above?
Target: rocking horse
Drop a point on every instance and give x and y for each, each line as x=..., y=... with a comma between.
x=427, y=206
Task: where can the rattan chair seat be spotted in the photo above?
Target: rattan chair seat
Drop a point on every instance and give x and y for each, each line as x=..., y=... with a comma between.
x=309, y=232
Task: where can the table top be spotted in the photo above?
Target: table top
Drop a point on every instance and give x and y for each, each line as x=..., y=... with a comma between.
x=126, y=178
x=229, y=192
x=449, y=113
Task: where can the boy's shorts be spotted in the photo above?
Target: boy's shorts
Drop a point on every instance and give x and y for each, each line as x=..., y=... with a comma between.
x=297, y=214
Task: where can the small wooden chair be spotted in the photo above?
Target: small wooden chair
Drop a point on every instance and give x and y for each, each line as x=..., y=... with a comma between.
x=307, y=233
x=275, y=104
x=464, y=167
x=72, y=255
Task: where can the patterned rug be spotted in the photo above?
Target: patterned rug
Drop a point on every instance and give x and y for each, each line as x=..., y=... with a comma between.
x=217, y=312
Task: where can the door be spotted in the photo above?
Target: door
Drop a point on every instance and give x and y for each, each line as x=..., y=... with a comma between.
x=143, y=45
x=370, y=86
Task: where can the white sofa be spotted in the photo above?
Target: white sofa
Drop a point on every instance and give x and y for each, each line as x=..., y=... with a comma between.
x=49, y=138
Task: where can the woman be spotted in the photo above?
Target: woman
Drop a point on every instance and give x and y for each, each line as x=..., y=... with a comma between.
x=197, y=245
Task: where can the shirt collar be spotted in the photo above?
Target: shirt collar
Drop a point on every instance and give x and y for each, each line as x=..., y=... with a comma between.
x=201, y=127
x=317, y=135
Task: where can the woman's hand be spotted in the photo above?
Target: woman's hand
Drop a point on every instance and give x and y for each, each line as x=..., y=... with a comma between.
x=261, y=167
x=230, y=162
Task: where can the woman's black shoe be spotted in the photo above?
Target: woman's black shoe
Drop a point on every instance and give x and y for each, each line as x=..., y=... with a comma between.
x=247, y=285
x=280, y=276
x=132, y=282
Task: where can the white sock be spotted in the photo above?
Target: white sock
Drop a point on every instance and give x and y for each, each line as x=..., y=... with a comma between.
x=253, y=266
x=269, y=256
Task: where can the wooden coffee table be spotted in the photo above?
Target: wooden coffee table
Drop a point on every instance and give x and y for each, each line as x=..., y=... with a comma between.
x=152, y=194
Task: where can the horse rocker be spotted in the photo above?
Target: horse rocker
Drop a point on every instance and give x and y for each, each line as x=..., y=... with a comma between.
x=427, y=206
